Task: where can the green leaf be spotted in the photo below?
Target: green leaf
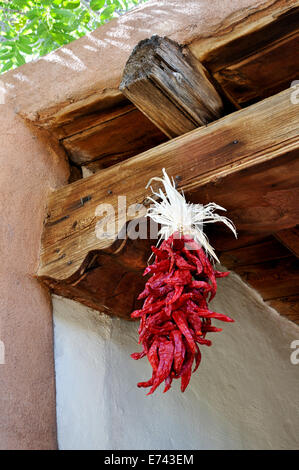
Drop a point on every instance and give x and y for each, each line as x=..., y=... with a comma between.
x=84, y=17
x=71, y=5
x=108, y=12
x=48, y=45
x=8, y=55
x=7, y=66
x=41, y=30
x=32, y=14
x=62, y=13
x=97, y=4
x=31, y=26
x=15, y=4
x=10, y=44
x=25, y=48
x=62, y=38
x=4, y=50
x=122, y=5
x=26, y=39
x=29, y=39
x=19, y=58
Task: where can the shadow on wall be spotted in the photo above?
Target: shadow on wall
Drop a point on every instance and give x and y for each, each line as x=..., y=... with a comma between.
x=244, y=395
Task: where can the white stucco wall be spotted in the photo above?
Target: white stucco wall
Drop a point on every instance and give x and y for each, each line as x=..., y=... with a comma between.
x=244, y=395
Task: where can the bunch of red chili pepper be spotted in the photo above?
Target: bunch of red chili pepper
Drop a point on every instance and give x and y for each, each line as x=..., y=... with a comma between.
x=175, y=317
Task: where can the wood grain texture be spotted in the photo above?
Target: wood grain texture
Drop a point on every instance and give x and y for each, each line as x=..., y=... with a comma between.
x=264, y=134
x=262, y=74
x=290, y=239
x=259, y=199
x=256, y=32
x=109, y=281
x=266, y=250
x=170, y=87
x=287, y=306
x=90, y=115
x=269, y=267
x=256, y=58
x=273, y=279
x=71, y=116
x=113, y=137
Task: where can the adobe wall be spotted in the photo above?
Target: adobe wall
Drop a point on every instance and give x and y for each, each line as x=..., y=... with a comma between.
x=29, y=170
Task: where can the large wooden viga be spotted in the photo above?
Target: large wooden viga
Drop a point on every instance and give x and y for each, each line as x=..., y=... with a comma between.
x=170, y=87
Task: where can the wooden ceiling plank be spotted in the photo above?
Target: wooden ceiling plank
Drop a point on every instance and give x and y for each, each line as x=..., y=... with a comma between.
x=255, y=58
x=170, y=87
x=277, y=22
x=290, y=239
x=273, y=279
x=93, y=118
x=114, y=139
x=267, y=250
x=263, y=74
x=287, y=306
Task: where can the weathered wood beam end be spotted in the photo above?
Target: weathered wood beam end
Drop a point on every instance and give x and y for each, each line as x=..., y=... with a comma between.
x=170, y=86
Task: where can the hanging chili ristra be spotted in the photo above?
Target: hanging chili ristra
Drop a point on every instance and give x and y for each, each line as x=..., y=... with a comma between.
x=175, y=316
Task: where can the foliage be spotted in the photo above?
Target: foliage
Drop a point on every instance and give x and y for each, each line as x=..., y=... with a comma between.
x=33, y=28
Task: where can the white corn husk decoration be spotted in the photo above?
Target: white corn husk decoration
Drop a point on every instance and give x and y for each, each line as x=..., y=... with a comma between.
x=175, y=214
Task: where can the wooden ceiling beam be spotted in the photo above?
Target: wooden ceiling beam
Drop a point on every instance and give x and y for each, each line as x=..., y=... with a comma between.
x=113, y=138
x=288, y=306
x=170, y=87
x=254, y=58
x=267, y=250
x=269, y=267
x=273, y=279
x=263, y=136
x=290, y=239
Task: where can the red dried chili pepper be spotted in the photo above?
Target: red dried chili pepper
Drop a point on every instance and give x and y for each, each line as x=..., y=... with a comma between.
x=221, y=273
x=137, y=356
x=159, y=267
x=175, y=316
x=179, y=350
x=168, y=382
x=182, y=263
x=149, y=383
x=197, y=359
x=153, y=355
x=195, y=322
x=186, y=371
x=160, y=254
x=166, y=357
x=179, y=318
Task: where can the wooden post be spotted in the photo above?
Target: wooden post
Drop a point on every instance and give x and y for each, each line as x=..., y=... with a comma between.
x=170, y=87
